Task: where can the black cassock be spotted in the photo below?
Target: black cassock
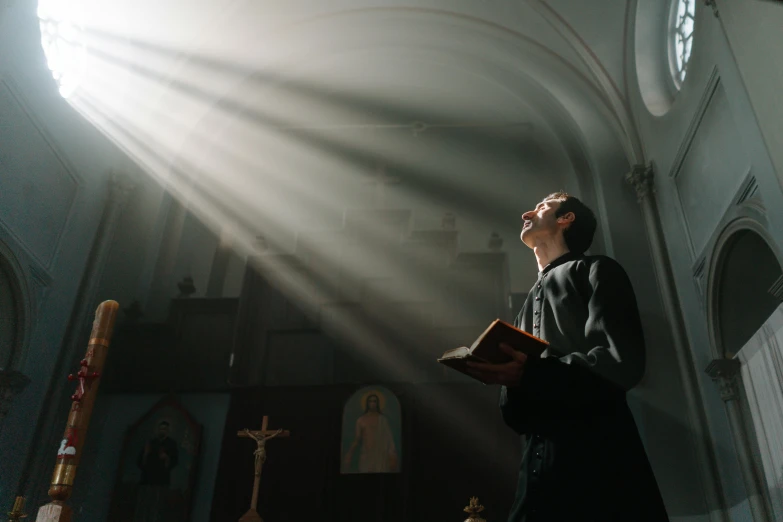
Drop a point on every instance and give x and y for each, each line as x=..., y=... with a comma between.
x=583, y=458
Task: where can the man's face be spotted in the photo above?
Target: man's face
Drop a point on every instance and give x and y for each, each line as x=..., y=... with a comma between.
x=372, y=404
x=540, y=222
x=163, y=431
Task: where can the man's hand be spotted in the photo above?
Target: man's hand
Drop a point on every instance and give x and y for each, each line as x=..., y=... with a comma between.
x=508, y=374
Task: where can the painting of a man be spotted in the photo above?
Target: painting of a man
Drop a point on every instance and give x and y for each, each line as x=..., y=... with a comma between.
x=155, y=461
x=157, y=467
x=371, y=445
x=158, y=458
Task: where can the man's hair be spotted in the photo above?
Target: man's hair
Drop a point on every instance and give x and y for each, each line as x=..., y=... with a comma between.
x=377, y=403
x=579, y=234
x=163, y=423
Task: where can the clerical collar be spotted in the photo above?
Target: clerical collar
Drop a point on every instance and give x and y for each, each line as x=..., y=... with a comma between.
x=568, y=256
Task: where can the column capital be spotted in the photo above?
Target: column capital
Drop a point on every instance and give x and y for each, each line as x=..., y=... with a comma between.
x=725, y=373
x=641, y=177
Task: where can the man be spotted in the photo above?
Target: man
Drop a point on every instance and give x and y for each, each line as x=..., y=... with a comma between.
x=157, y=459
x=583, y=460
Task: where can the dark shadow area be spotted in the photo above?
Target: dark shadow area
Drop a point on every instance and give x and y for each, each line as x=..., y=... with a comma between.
x=440, y=468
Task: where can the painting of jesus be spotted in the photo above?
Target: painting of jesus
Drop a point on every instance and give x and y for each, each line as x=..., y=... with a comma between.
x=371, y=432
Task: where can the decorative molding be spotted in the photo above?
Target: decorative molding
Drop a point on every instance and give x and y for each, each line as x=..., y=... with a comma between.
x=725, y=373
x=40, y=276
x=699, y=274
x=750, y=195
x=615, y=99
x=15, y=95
x=711, y=3
x=641, y=178
x=416, y=127
x=777, y=289
x=18, y=266
x=748, y=190
x=41, y=280
x=706, y=97
x=710, y=89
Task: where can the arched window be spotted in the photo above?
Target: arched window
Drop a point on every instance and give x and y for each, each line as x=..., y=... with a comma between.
x=62, y=40
x=681, y=38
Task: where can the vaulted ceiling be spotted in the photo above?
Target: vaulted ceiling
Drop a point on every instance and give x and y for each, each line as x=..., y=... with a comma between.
x=500, y=101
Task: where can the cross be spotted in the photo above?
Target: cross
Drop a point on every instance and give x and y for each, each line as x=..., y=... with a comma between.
x=381, y=179
x=260, y=436
x=82, y=376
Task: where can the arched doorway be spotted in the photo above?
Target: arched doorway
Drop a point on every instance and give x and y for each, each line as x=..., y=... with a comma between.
x=746, y=327
x=746, y=271
x=12, y=329
x=10, y=314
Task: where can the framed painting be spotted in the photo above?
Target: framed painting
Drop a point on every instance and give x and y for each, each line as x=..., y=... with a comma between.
x=371, y=435
x=158, y=466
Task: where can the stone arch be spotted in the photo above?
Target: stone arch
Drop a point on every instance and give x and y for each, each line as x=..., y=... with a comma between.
x=14, y=310
x=522, y=63
x=569, y=102
x=744, y=265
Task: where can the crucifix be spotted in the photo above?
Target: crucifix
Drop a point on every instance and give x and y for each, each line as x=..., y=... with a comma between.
x=260, y=436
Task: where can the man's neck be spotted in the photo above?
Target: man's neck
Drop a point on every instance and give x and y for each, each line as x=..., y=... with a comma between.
x=546, y=252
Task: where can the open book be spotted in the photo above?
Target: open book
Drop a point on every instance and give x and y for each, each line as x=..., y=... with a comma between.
x=486, y=348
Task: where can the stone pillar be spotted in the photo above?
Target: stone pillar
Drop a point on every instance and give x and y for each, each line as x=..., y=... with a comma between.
x=37, y=468
x=11, y=384
x=220, y=262
x=725, y=373
x=163, y=278
x=641, y=178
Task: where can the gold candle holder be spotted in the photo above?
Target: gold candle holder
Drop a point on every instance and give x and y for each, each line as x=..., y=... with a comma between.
x=17, y=512
x=473, y=509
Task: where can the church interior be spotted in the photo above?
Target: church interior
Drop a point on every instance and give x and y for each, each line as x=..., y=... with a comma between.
x=291, y=209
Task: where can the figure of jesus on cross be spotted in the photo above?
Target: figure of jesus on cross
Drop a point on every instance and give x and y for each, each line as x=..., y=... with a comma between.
x=260, y=436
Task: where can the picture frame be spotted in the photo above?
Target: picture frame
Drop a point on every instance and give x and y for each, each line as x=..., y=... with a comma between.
x=371, y=439
x=158, y=465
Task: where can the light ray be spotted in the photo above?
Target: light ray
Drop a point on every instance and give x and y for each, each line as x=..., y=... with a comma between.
x=270, y=163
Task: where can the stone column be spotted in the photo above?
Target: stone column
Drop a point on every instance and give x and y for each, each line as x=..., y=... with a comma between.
x=37, y=470
x=725, y=373
x=12, y=383
x=163, y=278
x=220, y=262
x=641, y=178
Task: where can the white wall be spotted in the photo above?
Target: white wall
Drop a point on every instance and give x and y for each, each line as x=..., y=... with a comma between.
x=704, y=147
x=753, y=30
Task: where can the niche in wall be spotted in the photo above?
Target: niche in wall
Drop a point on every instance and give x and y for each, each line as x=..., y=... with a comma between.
x=8, y=317
x=747, y=268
